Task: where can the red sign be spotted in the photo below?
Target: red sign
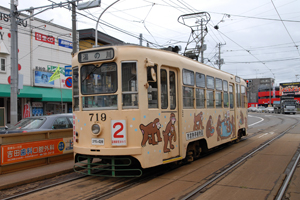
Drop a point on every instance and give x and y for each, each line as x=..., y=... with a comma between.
x=31, y=150
x=26, y=111
x=69, y=82
x=44, y=38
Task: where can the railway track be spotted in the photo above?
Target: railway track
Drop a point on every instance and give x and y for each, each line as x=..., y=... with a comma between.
x=233, y=165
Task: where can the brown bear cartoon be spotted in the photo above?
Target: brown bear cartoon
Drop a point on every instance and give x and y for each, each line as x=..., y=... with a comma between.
x=169, y=133
x=198, y=121
x=209, y=127
x=149, y=131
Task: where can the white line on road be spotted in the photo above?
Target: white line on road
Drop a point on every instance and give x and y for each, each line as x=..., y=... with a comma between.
x=255, y=122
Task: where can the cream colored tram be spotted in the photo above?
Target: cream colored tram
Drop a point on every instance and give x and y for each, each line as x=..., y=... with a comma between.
x=134, y=104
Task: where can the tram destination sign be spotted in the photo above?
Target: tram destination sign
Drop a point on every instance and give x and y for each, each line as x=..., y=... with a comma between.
x=96, y=55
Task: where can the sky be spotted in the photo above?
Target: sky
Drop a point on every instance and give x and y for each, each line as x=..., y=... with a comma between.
x=258, y=38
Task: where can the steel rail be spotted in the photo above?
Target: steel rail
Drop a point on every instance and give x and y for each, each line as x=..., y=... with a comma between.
x=287, y=180
x=236, y=164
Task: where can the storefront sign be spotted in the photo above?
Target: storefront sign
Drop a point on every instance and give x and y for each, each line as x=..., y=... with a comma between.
x=26, y=111
x=37, y=104
x=65, y=43
x=42, y=79
x=289, y=89
x=33, y=150
x=68, y=70
x=6, y=18
x=51, y=68
x=44, y=38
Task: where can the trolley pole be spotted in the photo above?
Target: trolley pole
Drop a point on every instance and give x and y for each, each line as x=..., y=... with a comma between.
x=14, y=64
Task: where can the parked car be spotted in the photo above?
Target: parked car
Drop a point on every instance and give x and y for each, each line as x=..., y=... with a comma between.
x=41, y=123
x=261, y=109
x=270, y=109
x=252, y=109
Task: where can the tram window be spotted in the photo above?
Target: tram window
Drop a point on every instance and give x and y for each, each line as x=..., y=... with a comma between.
x=210, y=82
x=75, y=89
x=200, y=80
x=199, y=98
x=152, y=90
x=100, y=102
x=164, y=88
x=219, y=99
x=129, y=85
x=231, y=96
x=172, y=90
x=243, y=96
x=188, y=77
x=238, y=96
x=188, y=97
x=210, y=98
x=219, y=85
x=99, y=80
x=225, y=94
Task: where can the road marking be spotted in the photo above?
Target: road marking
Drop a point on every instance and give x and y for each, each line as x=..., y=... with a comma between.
x=263, y=135
x=255, y=122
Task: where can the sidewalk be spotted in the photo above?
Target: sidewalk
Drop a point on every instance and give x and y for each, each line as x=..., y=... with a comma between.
x=35, y=174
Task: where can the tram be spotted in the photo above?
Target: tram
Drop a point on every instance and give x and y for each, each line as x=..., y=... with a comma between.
x=134, y=104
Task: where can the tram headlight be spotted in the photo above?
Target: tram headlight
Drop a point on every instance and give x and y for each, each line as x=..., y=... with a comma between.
x=96, y=129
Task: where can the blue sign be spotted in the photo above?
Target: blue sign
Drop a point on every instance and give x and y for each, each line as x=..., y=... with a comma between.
x=42, y=79
x=68, y=70
x=65, y=43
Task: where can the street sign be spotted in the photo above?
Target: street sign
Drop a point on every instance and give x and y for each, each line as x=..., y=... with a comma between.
x=68, y=70
x=69, y=82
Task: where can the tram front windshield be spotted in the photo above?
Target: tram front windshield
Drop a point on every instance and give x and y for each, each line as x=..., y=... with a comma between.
x=101, y=81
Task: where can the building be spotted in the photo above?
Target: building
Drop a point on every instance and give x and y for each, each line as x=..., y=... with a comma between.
x=43, y=47
x=255, y=86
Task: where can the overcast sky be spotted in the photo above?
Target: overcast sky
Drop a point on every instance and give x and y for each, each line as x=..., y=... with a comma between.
x=259, y=38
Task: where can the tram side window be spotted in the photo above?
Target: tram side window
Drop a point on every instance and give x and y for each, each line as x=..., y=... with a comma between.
x=219, y=88
x=210, y=83
x=200, y=83
x=225, y=94
x=152, y=91
x=188, y=91
x=75, y=89
x=231, y=96
x=129, y=85
x=238, y=96
x=164, y=88
x=172, y=90
x=243, y=96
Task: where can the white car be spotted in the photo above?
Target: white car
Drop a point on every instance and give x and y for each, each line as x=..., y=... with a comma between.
x=261, y=109
x=270, y=109
x=252, y=109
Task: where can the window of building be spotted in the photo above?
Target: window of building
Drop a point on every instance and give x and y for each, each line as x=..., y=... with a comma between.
x=2, y=65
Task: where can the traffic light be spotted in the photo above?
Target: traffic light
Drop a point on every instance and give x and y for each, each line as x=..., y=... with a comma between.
x=247, y=81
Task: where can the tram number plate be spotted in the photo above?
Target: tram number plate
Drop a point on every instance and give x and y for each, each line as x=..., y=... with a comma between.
x=98, y=141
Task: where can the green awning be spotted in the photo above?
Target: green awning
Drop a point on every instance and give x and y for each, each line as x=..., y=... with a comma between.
x=39, y=93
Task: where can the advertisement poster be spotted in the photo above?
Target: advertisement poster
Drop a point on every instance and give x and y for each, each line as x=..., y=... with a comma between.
x=289, y=89
x=26, y=110
x=42, y=79
x=33, y=150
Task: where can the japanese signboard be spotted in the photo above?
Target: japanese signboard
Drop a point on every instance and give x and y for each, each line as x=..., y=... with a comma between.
x=65, y=43
x=33, y=150
x=289, y=89
x=44, y=38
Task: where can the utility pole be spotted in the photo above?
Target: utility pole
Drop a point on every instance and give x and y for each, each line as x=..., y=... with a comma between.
x=220, y=60
x=74, y=34
x=14, y=63
x=141, y=39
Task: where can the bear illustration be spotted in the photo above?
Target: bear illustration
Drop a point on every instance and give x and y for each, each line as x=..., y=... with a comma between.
x=209, y=127
x=198, y=121
x=149, y=131
x=169, y=134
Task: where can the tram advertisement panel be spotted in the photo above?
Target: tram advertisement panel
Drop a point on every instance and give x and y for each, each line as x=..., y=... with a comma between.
x=33, y=150
x=289, y=89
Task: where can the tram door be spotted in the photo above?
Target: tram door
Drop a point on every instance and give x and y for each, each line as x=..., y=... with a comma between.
x=232, y=109
x=169, y=112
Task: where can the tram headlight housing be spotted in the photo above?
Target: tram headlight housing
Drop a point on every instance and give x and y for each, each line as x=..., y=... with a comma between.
x=96, y=129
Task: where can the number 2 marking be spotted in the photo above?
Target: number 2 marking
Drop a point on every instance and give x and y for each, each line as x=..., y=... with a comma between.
x=119, y=130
